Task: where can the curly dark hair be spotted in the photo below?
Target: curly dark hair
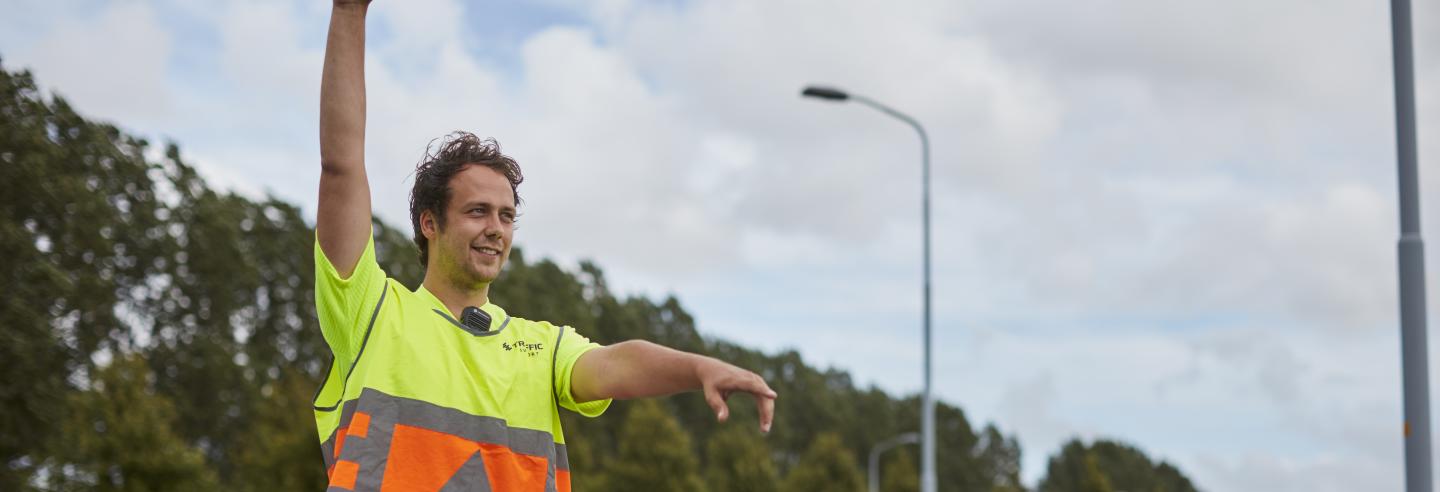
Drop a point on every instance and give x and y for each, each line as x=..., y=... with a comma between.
x=442, y=162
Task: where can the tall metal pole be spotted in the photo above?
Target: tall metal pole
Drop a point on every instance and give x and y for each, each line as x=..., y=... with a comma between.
x=927, y=411
x=927, y=402
x=1413, y=348
x=881, y=447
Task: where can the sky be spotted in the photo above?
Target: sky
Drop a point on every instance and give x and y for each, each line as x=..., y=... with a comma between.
x=1167, y=223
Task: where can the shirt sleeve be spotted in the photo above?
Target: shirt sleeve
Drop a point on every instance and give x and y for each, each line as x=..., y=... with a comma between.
x=345, y=305
x=570, y=346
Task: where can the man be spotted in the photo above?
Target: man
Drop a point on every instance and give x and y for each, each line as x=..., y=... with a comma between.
x=438, y=389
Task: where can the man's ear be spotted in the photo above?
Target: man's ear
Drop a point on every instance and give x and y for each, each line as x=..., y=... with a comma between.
x=428, y=226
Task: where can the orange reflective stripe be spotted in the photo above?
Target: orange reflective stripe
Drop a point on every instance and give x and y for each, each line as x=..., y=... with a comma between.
x=339, y=442
x=562, y=480
x=344, y=473
x=359, y=425
x=509, y=470
x=423, y=460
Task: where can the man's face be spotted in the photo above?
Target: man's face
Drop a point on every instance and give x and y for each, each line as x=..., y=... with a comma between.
x=479, y=224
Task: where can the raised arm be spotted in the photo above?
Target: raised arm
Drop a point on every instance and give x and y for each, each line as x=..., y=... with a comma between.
x=640, y=369
x=342, y=222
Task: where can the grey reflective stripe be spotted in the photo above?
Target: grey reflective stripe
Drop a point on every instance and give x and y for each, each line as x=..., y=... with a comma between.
x=386, y=410
x=467, y=329
x=550, y=484
x=562, y=458
x=347, y=413
x=384, y=289
x=470, y=477
x=370, y=452
x=327, y=451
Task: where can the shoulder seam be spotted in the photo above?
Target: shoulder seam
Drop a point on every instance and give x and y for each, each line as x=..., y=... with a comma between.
x=554, y=360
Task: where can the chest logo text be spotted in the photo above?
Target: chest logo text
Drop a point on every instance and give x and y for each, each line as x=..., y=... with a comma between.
x=527, y=348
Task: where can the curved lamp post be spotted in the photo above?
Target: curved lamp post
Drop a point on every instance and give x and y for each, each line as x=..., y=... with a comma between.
x=927, y=412
x=883, y=446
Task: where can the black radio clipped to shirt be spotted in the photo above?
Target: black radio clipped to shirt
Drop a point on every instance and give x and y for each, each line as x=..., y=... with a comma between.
x=475, y=319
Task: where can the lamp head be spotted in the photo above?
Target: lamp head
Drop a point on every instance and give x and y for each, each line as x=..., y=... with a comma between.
x=826, y=93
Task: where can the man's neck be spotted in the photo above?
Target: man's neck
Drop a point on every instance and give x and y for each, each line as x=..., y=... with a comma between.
x=456, y=298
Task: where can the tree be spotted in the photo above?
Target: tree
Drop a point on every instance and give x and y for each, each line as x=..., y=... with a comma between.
x=999, y=456
x=1073, y=469
x=117, y=438
x=1109, y=465
x=1129, y=469
x=826, y=465
x=737, y=460
x=655, y=454
x=899, y=473
x=277, y=448
x=78, y=221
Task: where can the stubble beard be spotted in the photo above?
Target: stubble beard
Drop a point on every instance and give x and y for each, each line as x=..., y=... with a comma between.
x=466, y=275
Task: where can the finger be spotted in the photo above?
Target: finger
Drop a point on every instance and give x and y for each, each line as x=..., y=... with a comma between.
x=766, y=406
x=764, y=387
x=717, y=403
x=769, y=393
x=755, y=385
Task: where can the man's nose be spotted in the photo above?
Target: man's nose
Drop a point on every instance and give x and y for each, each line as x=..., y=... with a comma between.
x=492, y=229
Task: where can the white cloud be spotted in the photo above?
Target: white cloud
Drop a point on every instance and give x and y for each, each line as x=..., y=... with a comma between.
x=262, y=58
x=1264, y=472
x=417, y=26
x=112, y=65
x=1263, y=391
x=1270, y=51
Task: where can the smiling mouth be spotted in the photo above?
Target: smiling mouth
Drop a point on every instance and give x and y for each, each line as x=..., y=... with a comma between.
x=486, y=250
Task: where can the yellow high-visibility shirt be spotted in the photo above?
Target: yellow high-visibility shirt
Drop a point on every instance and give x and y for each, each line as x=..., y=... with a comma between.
x=415, y=400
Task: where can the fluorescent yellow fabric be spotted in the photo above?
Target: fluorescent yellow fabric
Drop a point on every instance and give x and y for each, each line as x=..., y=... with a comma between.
x=413, y=349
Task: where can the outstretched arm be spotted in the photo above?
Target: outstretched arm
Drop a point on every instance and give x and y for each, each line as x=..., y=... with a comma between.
x=640, y=369
x=342, y=222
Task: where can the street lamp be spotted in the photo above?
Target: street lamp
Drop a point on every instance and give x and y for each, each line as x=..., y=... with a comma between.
x=883, y=446
x=927, y=411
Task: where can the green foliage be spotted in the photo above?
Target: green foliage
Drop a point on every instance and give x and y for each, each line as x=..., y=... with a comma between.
x=268, y=457
x=117, y=438
x=159, y=334
x=827, y=465
x=73, y=219
x=737, y=460
x=655, y=453
x=1108, y=465
x=1000, y=457
x=122, y=252
x=900, y=474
